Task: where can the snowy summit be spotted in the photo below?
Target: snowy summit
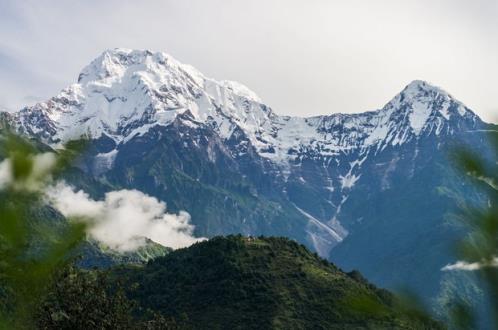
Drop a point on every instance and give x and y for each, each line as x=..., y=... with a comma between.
x=123, y=93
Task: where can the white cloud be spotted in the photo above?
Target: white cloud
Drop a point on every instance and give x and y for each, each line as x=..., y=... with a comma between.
x=462, y=265
x=125, y=217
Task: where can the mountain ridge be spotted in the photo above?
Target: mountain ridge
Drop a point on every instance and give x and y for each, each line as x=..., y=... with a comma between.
x=123, y=93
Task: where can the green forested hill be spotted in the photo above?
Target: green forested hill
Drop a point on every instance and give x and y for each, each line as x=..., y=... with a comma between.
x=240, y=282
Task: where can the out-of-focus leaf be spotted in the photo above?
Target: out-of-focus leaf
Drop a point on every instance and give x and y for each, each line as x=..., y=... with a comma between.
x=480, y=246
x=30, y=250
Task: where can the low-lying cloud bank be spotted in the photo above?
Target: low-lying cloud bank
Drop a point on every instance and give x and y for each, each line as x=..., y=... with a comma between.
x=125, y=218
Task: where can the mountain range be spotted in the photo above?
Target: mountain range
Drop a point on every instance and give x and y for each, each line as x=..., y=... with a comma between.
x=372, y=191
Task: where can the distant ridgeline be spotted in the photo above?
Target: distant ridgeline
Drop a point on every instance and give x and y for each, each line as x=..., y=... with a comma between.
x=94, y=254
x=372, y=191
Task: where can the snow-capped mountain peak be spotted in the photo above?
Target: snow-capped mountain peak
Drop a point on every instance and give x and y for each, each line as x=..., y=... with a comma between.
x=422, y=101
x=154, y=67
x=113, y=64
x=125, y=92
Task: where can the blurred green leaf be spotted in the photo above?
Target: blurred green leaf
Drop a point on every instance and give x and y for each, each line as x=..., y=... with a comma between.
x=31, y=251
x=481, y=244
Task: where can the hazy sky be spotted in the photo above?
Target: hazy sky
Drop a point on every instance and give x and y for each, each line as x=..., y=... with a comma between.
x=302, y=57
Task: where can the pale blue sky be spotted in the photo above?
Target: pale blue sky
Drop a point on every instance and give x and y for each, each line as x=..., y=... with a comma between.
x=302, y=57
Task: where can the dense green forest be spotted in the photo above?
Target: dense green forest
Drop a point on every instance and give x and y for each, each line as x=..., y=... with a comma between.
x=230, y=282
x=245, y=282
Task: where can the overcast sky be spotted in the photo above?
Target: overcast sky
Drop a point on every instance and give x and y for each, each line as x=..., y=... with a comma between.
x=302, y=57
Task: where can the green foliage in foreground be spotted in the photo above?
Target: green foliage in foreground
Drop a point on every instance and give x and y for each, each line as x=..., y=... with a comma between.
x=480, y=247
x=30, y=252
x=240, y=282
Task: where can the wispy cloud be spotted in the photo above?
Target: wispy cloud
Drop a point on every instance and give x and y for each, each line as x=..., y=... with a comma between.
x=470, y=266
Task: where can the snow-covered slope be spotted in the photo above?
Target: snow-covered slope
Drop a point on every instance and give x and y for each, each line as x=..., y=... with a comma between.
x=124, y=92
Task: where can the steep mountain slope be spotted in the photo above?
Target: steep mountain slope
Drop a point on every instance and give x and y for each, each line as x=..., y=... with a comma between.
x=404, y=220
x=363, y=189
x=262, y=283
